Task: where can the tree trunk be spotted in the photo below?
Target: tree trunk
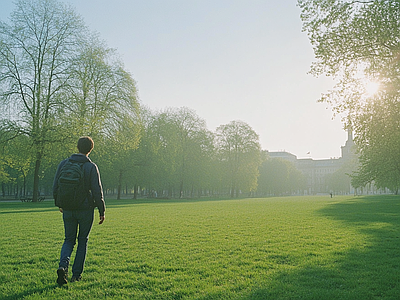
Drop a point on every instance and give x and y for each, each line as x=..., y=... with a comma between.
x=135, y=191
x=36, y=177
x=119, y=185
x=181, y=190
x=24, y=187
x=170, y=192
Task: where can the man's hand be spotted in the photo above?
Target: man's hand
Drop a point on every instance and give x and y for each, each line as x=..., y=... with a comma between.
x=102, y=219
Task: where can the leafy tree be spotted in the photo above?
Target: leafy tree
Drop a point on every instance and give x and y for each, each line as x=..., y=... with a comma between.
x=19, y=159
x=144, y=155
x=4, y=175
x=101, y=94
x=176, y=141
x=62, y=82
x=239, y=150
x=118, y=149
x=163, y=141
x=339, y=181
x=202, y=165
x=279, y=177
x=6, y=135
x=191, y=133
x=37, y=51
x=380, y=147
x=175, y=152
x=357, y=42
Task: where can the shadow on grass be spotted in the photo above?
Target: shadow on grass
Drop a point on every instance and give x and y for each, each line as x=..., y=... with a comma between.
x=15, y=204
x=371, y=271
x=14, y=207
x=47, y=206
x=26, y=207
x=35, y=291
x=114, y=202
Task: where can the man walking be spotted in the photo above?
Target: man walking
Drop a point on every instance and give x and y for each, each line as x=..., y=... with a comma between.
x=77, y=207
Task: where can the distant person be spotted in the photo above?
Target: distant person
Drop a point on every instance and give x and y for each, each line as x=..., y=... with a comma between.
x=77, y=191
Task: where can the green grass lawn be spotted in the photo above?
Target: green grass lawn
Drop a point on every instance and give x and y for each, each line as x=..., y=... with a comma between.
x=270, y=248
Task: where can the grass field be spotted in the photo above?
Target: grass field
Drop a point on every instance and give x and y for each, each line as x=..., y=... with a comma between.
x=272, y=248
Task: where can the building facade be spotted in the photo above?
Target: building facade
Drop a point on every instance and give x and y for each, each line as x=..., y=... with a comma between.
x=325, y=175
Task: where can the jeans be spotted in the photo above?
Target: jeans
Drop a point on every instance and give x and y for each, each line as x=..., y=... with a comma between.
x=74, y=219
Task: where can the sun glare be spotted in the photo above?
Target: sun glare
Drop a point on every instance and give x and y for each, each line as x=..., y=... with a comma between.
x=371, y=88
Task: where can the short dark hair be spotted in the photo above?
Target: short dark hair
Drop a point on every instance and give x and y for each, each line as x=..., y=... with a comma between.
x=85, y=144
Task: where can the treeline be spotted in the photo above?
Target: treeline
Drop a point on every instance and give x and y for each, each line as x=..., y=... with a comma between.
x=58, y=81
x=174, y=155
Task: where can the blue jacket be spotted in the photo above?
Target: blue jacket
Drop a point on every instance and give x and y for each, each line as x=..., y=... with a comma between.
x=92, y=183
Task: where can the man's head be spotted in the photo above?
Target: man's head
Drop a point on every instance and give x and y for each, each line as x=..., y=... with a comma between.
x=85, y=145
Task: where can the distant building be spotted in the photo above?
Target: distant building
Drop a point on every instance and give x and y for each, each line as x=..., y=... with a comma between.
x=316, y=170
x=283, y=155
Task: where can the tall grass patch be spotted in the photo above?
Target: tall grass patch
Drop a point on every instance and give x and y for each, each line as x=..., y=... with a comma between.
x=270, y=248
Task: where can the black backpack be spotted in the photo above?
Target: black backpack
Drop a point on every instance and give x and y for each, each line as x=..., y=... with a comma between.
x=71, y=185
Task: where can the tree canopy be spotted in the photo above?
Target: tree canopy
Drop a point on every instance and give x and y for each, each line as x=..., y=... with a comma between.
x=280, y=177
x=239, y=151
x=358, y=44
x=58, y=81
x=37, y=50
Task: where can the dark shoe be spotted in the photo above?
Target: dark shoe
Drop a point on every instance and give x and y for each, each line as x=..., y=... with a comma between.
x=62, y=276
x=76, y=278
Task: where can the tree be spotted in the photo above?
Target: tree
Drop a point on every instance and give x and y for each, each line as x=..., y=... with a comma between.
x=119, y=152
x=239, y=150
x=279, y=177
x=7, y=134
x=37, y=52
x=162, y=165
x=358, y=42
x=100, y=93
x=144, y=156
x=339, y=181
x=191, y=132
x=380, y=146
x=62, y=82
x=19, y=159
x=175, y=154
x=174, y=150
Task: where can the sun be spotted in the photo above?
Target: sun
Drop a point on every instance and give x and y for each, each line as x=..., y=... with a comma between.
x=371, y=88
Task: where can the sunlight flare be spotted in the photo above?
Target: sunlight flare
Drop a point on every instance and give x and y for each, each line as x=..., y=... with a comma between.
x=371, y=88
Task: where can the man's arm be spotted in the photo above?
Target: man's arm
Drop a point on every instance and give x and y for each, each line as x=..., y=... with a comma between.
x=97, y=192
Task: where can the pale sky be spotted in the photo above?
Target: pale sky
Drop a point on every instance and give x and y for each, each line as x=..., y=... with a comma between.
x=225, y=59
